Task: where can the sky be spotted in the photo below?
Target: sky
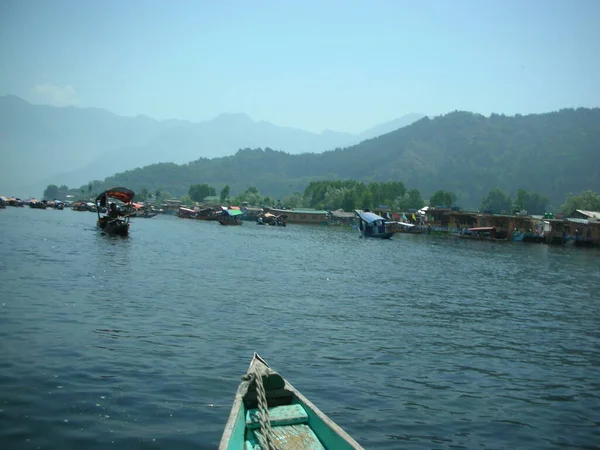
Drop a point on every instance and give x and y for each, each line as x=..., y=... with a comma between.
x=314, y=65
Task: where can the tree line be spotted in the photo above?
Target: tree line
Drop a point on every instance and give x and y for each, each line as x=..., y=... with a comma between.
x=350, y=195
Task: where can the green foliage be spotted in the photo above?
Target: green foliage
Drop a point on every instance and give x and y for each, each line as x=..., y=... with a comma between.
x=497, y=201
x=186, y=200
x=533, y=203
x=51, y=192
x=162, y=196
x=410, y=200
x=198, y=192
x=442, y=198
x=586, y=200
x=224, y=193
x=349, y=201
x=294, y=200
x=142, y=195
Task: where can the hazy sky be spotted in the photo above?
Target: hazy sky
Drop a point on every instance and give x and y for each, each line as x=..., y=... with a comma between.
x=343, y=65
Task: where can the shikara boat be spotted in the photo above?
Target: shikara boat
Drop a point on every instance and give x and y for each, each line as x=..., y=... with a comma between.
x=372, y=225
x=114, y=222
x=230, y=217
x=290, y=420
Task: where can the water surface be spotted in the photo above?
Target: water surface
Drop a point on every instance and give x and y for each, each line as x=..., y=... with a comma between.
x=417, y=342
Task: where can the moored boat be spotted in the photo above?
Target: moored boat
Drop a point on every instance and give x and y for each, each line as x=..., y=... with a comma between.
x=230, y=217
x=269, y=413
x=372, y=225
x=115, y=222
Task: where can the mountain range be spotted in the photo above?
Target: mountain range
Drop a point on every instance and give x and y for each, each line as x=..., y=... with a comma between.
x=44, y=145
x=551, y=154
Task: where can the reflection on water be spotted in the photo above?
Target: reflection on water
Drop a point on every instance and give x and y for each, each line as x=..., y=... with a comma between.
x=416, y=342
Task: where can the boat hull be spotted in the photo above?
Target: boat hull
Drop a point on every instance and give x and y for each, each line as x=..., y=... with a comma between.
x=115, y=227
x=295, y=421
x=377, y=235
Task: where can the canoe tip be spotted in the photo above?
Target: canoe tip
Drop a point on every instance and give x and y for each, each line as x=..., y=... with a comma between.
x=258, y=358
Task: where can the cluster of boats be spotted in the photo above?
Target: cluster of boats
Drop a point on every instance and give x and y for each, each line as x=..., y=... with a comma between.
x=32, y=203
x=231, y=215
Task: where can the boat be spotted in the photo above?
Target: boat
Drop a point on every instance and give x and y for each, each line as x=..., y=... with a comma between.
x=269, y=413
x=480, y=233
x=230, y=217
x=271, y=219
x=115, y=222
x=372, y=225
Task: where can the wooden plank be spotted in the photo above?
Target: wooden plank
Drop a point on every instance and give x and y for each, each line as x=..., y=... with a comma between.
x=278, y=416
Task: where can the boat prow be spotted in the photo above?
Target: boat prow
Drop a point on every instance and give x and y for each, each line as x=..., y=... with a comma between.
x=292, y=421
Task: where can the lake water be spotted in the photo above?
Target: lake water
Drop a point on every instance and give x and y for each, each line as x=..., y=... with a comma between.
x=416, y=342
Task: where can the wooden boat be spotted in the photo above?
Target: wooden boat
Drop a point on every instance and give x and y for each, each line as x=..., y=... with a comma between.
x=230, y=217
x=271, y=219
x=372, y=225
x=144, y=214
x=481, y=234
x=114, y=222
x=291, y=420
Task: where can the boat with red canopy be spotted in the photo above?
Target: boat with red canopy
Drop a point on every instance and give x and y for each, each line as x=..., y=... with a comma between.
x=115, y=221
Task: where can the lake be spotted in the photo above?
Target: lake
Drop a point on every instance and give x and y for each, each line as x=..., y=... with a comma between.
x=416, y=342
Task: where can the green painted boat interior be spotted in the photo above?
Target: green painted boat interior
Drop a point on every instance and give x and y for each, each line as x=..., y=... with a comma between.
x=295, y=426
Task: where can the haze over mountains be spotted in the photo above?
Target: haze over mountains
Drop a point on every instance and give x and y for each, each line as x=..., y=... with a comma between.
x=42, y=144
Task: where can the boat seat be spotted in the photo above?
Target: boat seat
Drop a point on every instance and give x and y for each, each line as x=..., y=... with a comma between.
x=279, y=416
x=288, y=437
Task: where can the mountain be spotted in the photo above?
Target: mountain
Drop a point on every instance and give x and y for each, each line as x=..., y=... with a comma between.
x=38, y=141
x=469, y=154
x=390, y=126
x=44, y=145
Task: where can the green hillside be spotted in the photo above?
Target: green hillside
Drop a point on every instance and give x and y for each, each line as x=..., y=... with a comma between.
x=468, y=154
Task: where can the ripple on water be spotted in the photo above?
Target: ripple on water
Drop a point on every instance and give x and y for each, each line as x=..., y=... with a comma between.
x=415, y=342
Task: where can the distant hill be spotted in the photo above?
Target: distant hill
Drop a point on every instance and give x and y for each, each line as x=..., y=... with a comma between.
x=44, y=144
x=469, y=154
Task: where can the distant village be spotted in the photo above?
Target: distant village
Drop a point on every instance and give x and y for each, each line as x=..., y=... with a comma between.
x=579, y=227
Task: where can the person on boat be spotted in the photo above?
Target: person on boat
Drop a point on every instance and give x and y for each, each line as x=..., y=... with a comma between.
x=113, y=212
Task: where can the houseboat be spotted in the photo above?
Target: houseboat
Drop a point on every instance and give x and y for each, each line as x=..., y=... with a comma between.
x=302, y=216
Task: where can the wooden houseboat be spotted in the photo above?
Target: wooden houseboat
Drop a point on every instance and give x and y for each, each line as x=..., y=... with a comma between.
x=302, y=216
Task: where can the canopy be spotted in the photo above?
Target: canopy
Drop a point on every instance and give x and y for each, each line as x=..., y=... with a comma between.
x=233, y=212
x=120, y=193
x=369, y=217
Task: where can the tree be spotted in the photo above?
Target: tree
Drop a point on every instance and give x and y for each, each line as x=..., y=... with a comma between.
x=366, y=200
x=533, y=203
x=293, y=201
x=414, y=200
x=587, y=200
x=157, y=194
x=144, y=194
x=90, y=186
x=349, y=201
x=521, y=200
x=198, y=192
x=186, y=200
x=224, y=193
x=536, y=204
x=51, y=192
x=496, y=201
x=442, y=198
